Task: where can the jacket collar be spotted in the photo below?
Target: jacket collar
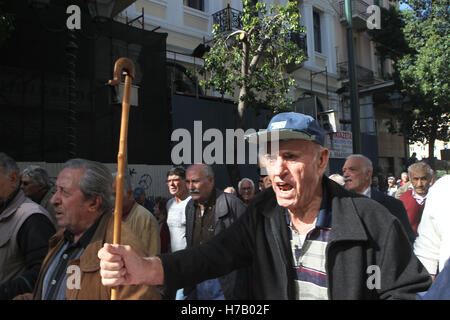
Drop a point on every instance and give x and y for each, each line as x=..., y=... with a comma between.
x=346, y=223
x=13, y=202
x=222, y=207
x=88, y=260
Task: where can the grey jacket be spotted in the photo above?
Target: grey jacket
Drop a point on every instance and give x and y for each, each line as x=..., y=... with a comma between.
x=12, y=262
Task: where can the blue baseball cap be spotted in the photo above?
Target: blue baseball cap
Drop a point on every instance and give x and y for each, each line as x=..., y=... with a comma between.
x=292, y=126
x=138, y=192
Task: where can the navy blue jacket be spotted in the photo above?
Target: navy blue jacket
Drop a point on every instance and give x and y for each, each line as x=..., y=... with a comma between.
x=440, y=289
x=397, y=209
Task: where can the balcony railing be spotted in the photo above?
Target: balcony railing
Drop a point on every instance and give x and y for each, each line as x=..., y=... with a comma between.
x=363, y=75
x=228, y=19
x=359, y=14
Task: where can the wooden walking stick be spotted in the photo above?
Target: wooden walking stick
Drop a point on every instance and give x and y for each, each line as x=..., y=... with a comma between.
x=121, y=65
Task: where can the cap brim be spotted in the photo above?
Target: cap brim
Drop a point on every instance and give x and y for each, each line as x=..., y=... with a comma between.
x=277, y=135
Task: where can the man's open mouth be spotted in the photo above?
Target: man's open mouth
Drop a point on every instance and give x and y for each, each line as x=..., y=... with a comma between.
x=284, y=186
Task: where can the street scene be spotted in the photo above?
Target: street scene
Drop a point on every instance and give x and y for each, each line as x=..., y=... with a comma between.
x=209, y=150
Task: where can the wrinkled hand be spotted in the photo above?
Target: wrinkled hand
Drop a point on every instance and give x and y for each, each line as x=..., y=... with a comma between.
x=121, y=265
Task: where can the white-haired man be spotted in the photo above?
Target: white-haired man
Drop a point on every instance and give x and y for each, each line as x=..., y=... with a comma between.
x=420, y=174
x=304, y=238
x=246, y=189
x=357, y=172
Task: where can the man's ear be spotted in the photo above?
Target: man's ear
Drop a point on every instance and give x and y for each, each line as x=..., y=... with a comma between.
x=95, y=203
x=369, y=175
x=323, y=158
x=14, y=177
x=130, y=195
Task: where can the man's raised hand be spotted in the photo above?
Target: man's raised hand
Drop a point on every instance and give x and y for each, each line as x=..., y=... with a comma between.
x=121, y=265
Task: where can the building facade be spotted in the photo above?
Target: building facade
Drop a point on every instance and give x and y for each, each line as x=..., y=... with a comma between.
x=323, y=79
x=182, y=30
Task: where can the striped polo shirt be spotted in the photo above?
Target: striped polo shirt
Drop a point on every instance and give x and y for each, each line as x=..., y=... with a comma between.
x=308, y=253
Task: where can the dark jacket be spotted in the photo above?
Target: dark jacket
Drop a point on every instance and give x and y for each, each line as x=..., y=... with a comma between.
x=228, y=209
x=397, y=208
x=363, y=234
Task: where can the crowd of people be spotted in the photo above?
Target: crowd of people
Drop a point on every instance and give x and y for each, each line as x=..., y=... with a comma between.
x=296, y=234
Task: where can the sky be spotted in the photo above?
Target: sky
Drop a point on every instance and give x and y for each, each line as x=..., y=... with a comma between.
x=404, y=6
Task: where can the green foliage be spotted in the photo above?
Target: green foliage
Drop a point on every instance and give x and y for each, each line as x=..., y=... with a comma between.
x=418, y=43
x=424, y=71
x=253, y=60
x=390, y=42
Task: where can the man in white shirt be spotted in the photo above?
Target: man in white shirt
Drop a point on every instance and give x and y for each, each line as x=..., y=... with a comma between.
x=176, y=215
x=432, y=246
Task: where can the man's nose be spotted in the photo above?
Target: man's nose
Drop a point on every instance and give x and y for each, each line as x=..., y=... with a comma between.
x=279, y=166
x=55, y=198
x=421, y=182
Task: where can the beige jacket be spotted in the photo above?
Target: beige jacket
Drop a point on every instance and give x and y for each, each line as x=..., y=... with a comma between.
x=145, y=226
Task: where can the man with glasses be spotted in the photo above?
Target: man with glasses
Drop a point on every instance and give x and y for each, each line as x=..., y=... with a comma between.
x=304, y=238
x=246, y=189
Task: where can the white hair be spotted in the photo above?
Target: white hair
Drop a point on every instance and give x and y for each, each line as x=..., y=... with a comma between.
x=368, y=166
x=246, y=179
x=96, y=181
x=38, y=175
x=7, y=164
x=337, y=178
x=232, y=190
x=209, y=172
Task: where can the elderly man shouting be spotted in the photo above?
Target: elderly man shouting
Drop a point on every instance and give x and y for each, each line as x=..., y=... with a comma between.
x=304, y=238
